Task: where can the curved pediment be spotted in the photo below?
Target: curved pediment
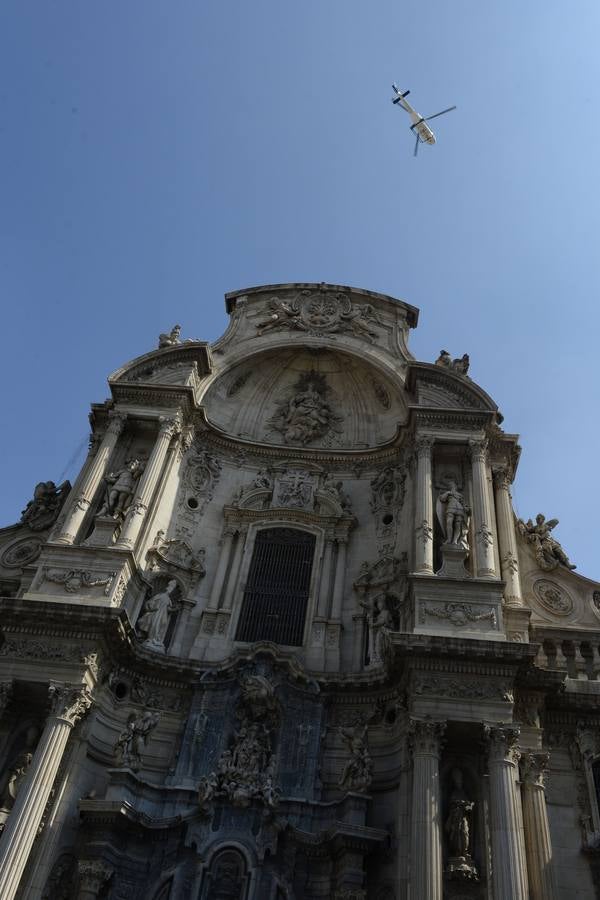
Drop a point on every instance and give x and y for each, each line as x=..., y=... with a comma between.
x=435, y=387
x=182, y=364
x=306, y=398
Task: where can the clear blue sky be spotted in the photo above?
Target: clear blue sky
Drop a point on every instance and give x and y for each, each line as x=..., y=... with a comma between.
x=154, y=155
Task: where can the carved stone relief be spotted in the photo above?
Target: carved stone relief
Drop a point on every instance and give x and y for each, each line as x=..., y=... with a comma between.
x=321, y=312
x=295, y=489
x=74, y=580
x=548, y=552
x=131, y=743
x=460, y=615
x=246, y=769
x=552, y=597
x=21, y=553
x=306, y=415
x=358, y=770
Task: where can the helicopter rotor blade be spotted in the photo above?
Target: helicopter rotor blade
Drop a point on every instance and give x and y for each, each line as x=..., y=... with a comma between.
x=435, y=115
x=418, y=141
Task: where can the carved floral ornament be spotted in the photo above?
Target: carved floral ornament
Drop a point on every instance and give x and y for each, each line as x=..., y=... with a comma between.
x=426, y=736
x=69, y=702
x=503, y=742
x=321, y=312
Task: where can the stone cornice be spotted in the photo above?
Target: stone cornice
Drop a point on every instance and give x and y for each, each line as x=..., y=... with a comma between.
x=460, y=385
x=187, y=351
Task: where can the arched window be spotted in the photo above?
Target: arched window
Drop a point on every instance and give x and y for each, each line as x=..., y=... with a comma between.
x=276, y=595
x=227, y=878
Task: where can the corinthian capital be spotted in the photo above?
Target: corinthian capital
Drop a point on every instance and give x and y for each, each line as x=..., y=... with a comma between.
x=69, y=702
x=501, y=478
x=423, y=444
x=478, y=448
x=116, y=422
x=502, y=741
x=170, y=425
x=533, y=768
x=426, y=735
x=93, y=874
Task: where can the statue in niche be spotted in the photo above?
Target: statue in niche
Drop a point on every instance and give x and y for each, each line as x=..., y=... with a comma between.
x=42, y=511
x=154, y=620
x=171, y=338
x=263, y=480
x=453, y=515
x=459, y=365
x=458, y=831
x=379, y=618
x=548, y=551
x=358, y=771
x=15, y=774
x=120, y=489
x=132, y=741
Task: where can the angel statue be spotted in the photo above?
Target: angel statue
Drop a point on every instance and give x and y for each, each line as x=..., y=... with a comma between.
x=548, y=551
x=170, y=338
x=453, y=515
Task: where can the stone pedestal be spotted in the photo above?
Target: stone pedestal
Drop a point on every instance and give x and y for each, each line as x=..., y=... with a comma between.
x=453, y=562
x=105, y=530
x=69, y=704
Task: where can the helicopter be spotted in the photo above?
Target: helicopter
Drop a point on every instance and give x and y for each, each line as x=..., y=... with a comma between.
x=423, y=132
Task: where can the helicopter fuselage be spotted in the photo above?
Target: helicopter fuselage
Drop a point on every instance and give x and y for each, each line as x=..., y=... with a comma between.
x=418, y=123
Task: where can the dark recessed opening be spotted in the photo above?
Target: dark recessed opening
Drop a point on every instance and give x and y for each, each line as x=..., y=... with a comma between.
x=120, y=690
x=388, y=519
x=390, y=715
x=192, y=503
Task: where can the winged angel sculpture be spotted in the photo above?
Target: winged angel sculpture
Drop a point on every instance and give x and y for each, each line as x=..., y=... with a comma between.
x=548, y=551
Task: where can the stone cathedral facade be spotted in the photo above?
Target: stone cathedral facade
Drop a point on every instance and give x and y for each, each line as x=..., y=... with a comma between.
x=285, y=639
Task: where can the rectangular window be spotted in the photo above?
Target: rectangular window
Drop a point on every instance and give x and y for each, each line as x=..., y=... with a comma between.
x=276, y=595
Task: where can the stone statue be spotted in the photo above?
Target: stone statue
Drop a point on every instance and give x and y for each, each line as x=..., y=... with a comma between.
x=15, y=774
x=307, y=417
x=282, y=314
x=170, y=339
x=154, y=620
x=131, y=742
x=379, y=617
x=120, y=489
x=358, y=771
x=42, y=511
x=459, y=365
x=458, y=829
x=453, y=515
x=263, y=480
x=549, y=553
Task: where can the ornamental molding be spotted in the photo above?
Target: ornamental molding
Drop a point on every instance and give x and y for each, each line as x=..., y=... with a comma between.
x=38, y=649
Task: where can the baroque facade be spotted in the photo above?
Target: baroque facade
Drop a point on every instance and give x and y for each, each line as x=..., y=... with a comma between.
x=285, y=639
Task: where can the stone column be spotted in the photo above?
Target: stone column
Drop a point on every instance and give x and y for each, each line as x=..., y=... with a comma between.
x=325, y=582
x=222, y=566
x=340, y=575
x=509, y=557
x=538, y=846
x=79, y=505
x=236, y=565
x=68, y=704
x=426, y=839
x=424, y=507
x=509, y=871
x=139, y=507
x=93, y=875
x=482, y=514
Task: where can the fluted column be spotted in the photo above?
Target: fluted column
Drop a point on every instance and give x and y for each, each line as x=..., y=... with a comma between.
x=68, y=704
x=222, y=566
x=482, y=514
x=139, y=507
x=426, y=840
x=509, y=871
x=507, y=541
x=424, y=507
x=340, y=575
x=80, y=504
x=538, y=845
x=93, y=875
